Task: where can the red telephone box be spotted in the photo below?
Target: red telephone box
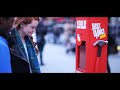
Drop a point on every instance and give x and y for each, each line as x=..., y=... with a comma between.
x=91, y=44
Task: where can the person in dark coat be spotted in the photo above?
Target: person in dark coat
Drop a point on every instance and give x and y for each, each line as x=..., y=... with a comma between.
x=23, y=52
x=41, y=31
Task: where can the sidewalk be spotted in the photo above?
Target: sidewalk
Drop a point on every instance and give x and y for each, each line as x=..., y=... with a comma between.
x=114, y=62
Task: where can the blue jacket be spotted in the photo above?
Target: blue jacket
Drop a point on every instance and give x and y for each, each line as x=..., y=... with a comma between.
x=5, y=61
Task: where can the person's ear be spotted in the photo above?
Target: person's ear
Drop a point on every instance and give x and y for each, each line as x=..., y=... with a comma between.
x=21, y=25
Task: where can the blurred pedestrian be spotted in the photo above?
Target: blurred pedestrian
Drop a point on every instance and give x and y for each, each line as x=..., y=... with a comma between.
x=41, y=31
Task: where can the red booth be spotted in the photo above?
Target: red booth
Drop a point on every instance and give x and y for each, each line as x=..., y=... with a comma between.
x=91, y=44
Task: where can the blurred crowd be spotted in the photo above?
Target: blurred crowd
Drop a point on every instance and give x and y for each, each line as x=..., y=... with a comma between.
x=60, y=31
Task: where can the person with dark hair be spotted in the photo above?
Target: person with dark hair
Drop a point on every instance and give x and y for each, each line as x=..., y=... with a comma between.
x=5, y=59
x=24, y=51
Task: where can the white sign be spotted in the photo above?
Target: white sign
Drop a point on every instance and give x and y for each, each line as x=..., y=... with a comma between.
x=97, y=30
x=81, y=24
x=78, y=38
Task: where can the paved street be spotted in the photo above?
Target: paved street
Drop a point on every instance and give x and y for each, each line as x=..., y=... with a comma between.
x=114, y=61
x=57, y=61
